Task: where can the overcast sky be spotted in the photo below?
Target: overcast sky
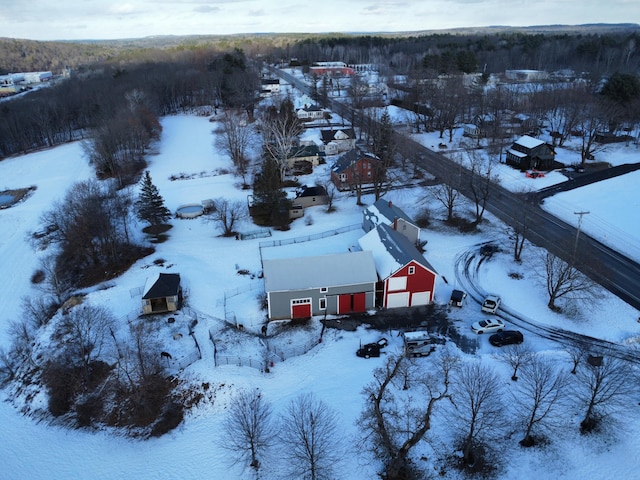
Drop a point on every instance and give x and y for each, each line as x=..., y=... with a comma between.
x=109, y=19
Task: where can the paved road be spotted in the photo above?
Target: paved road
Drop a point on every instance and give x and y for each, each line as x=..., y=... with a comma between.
x=611, y=269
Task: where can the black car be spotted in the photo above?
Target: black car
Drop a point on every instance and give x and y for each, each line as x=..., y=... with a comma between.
x=506, y=337
x=372, y=349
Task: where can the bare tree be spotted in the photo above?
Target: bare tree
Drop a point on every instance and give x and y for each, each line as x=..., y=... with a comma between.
x=310, y=438
x=517, y=231
x=399, y=404
x=516, y=356
x=226, y=213
x=447, y=192
x=477, y=397
x=138, y=355
x=564, y=280
x=20, y=351
x=280, y=131
x=87, y=329
x=538, y=397
x=234, y=141
x=577, y=354
x=330, y=188
x=482, y=180
x=603, y=387
x=249, y=427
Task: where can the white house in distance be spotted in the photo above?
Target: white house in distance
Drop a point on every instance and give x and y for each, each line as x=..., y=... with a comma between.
x=385, y=212
x=331, y=284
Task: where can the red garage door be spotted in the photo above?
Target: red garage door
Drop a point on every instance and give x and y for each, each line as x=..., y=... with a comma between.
x=352, y=303
x=301, y=308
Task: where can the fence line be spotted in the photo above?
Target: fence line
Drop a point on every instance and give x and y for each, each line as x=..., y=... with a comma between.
x=282, y=355
x=308, y=238
x=189, y=359
x=239, y=362
x=244, y=289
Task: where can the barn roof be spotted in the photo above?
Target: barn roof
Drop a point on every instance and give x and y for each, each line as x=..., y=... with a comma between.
x=319, y=271
x=391, y=250
x=161, y=285
x=384, y=211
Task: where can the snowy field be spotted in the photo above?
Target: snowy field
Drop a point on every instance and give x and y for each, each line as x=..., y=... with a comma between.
x=208, y=264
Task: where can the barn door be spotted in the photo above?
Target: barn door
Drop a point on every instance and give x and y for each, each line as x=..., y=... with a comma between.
x=301, y=308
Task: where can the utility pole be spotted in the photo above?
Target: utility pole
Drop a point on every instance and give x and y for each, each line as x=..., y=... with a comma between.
x=575, y=244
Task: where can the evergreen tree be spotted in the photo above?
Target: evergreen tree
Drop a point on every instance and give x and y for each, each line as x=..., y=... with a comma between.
x=150, y=204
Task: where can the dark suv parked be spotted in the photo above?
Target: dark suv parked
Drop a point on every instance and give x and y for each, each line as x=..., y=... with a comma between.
x=506, y=337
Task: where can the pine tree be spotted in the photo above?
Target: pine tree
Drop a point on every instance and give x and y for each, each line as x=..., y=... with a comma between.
x=150, y=204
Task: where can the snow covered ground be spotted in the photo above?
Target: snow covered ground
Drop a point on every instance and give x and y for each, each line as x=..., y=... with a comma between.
x=209, y=266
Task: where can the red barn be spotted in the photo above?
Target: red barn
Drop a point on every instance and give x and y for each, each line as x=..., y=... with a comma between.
x=405, y=277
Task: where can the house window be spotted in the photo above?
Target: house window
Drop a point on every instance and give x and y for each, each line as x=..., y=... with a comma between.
x=324, y=289
x=343, y=177
x=323, y=304
x=412, y=270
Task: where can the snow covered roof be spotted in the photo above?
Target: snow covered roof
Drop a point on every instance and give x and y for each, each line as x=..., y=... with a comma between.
x=350, y=158
x=391, y=250
x=161, y=285
x=340, y=134
x=516, y=153
x=384, y=211
x=529, y=142
x=319, y=271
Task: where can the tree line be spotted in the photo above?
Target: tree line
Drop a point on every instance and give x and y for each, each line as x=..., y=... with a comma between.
x=405, y=399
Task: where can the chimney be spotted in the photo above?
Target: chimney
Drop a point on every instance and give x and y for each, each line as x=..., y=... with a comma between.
x=390, y=204
x=395, y=222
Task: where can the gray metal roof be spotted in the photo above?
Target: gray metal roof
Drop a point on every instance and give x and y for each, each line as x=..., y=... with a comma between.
x=319, y=271
x=391, y=250
x=388, y=210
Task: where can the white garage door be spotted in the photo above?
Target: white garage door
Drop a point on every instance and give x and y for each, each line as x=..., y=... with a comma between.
x=420, y=298
x=398, y=300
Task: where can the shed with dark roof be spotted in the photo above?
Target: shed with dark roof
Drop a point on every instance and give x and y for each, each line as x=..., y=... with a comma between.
x=162, y=293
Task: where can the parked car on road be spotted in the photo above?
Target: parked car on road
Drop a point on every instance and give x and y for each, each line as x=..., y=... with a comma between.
x=372, y=349
x=506, y=337
x=491, y=304
x=488, y=325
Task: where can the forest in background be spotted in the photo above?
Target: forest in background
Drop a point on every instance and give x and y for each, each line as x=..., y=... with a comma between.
x=594, y=48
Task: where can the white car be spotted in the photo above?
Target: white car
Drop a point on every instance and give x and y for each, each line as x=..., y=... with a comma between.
x=488, y=325
x=491, y=304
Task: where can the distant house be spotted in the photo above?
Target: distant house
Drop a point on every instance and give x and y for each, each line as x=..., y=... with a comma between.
x=385, y=212
x=321, y=285
x=310, y=113
x=310, y=196
x=354, y=169
x=269, y=86
x=526, y=75
x=405, y=278
x=340, y=140
x=305, y=153
x=529, y=153
x=162, y=293
x=339, y=69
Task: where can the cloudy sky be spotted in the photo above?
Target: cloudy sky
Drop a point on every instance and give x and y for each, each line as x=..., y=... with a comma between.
x=109, y=19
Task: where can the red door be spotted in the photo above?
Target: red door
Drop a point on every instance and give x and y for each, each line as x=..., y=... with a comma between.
x=344, y=303
x=301, y=308
x=352, y=303
x=359, y=302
